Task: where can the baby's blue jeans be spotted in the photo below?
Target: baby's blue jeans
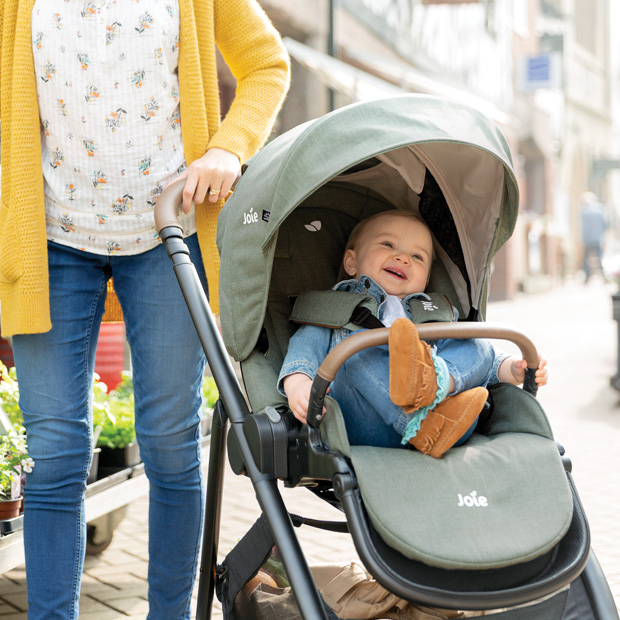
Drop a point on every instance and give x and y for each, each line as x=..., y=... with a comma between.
x=55, y=375
x=361, y=388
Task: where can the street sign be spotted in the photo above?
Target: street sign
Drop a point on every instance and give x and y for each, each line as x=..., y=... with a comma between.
x=540, y=71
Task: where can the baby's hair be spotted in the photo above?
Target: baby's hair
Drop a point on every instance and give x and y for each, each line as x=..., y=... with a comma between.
x=360, y=227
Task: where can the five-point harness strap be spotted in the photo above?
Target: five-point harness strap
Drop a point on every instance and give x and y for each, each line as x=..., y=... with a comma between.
x=335, y=309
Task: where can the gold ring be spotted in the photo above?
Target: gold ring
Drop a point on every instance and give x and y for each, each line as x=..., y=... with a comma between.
x=214, y=192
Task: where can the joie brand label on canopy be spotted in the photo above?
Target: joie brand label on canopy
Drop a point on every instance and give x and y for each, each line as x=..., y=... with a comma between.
x=472, y=500
x=251, y=217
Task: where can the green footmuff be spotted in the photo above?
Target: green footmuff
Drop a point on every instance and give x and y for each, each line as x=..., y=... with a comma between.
x=501, y=499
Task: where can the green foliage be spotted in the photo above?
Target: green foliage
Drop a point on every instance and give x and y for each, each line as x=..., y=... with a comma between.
x=14, y=459
x=9, y=397
x=113, y=413
x=209, y=392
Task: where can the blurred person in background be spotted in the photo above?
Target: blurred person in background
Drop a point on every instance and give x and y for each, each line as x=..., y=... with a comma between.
x=593, y=227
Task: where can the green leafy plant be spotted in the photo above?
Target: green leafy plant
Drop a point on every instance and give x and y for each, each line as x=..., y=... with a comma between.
x=14, y=459
x=113, y=413
x=113, y=410
x=209, y=393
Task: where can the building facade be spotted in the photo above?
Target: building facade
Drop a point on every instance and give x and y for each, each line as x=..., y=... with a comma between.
x=540, y=69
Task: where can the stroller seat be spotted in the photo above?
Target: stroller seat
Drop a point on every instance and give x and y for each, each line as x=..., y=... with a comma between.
x=504, y=547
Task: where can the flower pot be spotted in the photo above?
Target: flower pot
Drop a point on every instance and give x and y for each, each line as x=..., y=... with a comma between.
x=110, y=355
x=94, y=467
x=6, y=353
x=9, y=508
x=129, y=456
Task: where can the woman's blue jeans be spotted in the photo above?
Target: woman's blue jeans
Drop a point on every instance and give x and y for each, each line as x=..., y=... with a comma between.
x=55, y=375
x=361, y=388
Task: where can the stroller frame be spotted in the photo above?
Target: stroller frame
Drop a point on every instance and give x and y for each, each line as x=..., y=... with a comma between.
x=232, y=408
x=256, y=440
x=232, y=411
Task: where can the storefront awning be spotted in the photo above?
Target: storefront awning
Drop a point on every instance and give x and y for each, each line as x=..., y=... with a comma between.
x=360, y=85
x=412, y=79
x=351, y=82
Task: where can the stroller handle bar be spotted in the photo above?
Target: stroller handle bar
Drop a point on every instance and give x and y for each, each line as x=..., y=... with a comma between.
x=427, y=331
x=168, y=203
x=167, y=206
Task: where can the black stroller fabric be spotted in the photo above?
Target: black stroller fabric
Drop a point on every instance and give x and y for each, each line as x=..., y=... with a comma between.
x=436, y=213
x=239, y=567
x=251, y=552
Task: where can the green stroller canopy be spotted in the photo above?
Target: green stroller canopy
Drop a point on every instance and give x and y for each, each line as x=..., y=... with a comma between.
x=392, y=150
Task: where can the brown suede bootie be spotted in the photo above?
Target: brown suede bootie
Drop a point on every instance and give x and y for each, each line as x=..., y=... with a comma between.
x=447, y=423
x=413, y=380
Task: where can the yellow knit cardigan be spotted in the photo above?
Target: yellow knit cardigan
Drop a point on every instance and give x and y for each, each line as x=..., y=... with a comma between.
x=254, y=52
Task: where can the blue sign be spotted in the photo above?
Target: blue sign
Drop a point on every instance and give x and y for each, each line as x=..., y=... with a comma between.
x=539, y=68
x=541, y=71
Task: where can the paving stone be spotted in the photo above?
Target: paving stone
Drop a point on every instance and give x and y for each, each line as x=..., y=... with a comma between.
x=125, y=589
x=18, y=601
x=6, y=609
x=10, y=586
x=105, y=614
x=90, y=585
x=127, y=605
x=90, y=604
x=17, y=575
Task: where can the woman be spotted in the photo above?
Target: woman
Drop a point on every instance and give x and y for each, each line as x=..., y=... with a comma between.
x=103, y=103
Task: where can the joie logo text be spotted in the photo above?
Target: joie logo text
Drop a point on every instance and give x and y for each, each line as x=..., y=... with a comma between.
x=250, y=218
x=473, y=500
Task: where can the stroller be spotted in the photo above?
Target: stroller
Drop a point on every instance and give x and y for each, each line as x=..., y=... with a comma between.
x=525, y=549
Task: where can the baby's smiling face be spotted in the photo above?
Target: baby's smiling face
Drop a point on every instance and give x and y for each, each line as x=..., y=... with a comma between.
x=396, y=251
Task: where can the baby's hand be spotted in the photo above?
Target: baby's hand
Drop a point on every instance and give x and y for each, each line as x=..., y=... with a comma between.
x=297, y=387
x=515, y=371
x=542, y=374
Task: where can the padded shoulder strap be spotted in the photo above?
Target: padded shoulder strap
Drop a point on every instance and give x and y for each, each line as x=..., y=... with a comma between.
x=335, y=309
x=329, y=308
x=438, y=308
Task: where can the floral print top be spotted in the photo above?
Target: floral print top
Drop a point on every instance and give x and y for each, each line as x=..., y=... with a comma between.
x=108, y=96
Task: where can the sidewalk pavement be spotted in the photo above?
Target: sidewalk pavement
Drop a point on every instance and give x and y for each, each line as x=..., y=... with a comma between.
x=572, y=325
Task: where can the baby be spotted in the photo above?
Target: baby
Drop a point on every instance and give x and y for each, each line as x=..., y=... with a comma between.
x=408, y=392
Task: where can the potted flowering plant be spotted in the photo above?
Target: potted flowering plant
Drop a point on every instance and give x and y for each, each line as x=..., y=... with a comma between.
x=14, y=464
x=113, y=419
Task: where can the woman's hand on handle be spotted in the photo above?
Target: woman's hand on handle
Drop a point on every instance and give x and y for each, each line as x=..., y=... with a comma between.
x=209, y=177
